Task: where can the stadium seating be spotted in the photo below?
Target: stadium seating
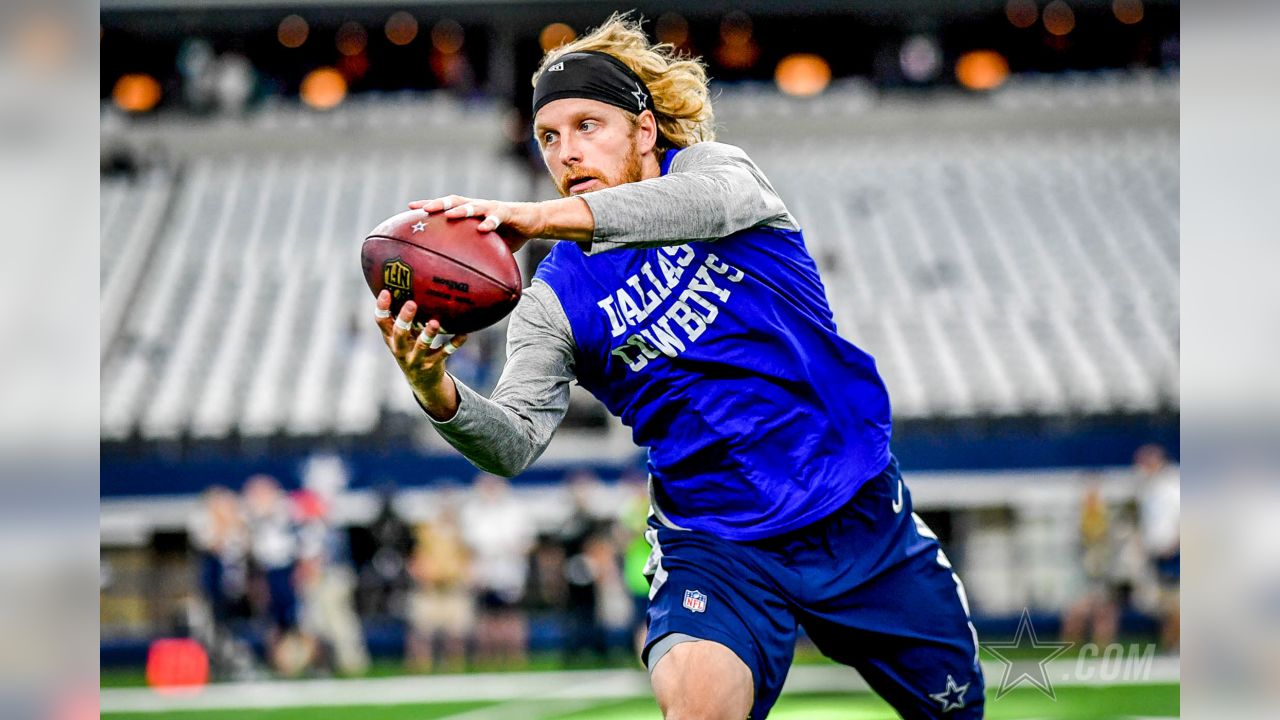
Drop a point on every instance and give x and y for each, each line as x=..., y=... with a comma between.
x=990, y=273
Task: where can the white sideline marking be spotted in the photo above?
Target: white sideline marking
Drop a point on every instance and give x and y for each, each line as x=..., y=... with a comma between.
x=592, y=685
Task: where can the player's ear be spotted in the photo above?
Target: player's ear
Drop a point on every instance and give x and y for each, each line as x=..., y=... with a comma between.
x=646, y=132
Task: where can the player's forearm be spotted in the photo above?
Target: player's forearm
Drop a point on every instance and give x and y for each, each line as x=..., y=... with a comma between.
x=715, y=196
x=495, y=439
x=566, y=219
x=506, y=433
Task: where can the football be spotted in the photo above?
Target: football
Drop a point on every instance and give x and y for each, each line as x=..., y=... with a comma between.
x=464, y=278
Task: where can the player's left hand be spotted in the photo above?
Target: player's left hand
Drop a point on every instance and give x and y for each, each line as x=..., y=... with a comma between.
x=516, y=222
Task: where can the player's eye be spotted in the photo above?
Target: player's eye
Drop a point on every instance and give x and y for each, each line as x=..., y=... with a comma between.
x=548, y=137
x=587, y=125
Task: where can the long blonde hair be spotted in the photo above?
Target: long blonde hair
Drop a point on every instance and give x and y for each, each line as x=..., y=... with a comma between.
x=677, y=83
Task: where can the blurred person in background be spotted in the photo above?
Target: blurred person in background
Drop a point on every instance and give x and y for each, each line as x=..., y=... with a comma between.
x=1159, y=508
x=1096, y=614
x=499, y=533
x=682, y=295
x=581, y=531
x=273, y=547
x=614, y=608
x=384, y=580
x=442, y=606
x=326, y=583
x=633, y=518
x=220, y=539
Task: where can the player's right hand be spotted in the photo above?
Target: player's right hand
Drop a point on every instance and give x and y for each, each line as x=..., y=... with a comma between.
x=421, y=357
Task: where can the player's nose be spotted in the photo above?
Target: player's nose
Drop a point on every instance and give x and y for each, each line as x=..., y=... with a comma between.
x=570, y=153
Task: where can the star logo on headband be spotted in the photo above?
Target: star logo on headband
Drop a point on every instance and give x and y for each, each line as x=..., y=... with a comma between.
x=640, y=97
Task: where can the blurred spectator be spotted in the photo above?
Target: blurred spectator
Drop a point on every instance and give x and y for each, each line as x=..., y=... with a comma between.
x=1096, y=613
x=546, y=589
x=384, y=580
x=587, y=550
x=273, y=545
x=633, y=520
x=614, y=610
x=499, y=533
x=221, y=541
x=1160, y=516
x=325, y=577
x=442, y=606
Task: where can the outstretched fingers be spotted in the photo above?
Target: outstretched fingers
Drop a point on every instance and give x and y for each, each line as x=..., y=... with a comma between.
x=400, y=342
x=440, y=204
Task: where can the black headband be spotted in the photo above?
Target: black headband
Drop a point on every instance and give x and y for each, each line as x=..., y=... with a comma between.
x=595, y=76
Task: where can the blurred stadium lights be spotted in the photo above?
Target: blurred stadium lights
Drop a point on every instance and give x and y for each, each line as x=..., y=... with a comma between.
x=1128, y=12
x=401, y=28
x=891, y=42
x=195, y=55
x=293, y=31
x=351, y=39
x=1059, y=18
x=672, y=28
x=447, y=36
x=233, y=81
x=1022, y=13
x=136, y=92
x=554, y=35
x=738, y=49
x=921, y=58
x=982, y=70
x=802, y=74
x=323, y=88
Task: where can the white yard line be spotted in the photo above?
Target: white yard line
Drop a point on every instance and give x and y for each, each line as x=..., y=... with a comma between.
x=593, y=685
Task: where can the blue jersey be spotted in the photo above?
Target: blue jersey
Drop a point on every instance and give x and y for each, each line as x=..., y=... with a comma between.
x=724, y=360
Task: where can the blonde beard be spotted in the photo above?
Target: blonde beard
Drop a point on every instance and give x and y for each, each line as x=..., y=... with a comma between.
x=632, y=171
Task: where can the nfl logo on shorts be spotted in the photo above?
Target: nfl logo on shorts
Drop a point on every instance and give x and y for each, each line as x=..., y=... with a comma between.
x=695, y=601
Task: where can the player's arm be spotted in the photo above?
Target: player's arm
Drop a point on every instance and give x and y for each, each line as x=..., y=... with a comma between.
x=504, y=434
x=712, y=190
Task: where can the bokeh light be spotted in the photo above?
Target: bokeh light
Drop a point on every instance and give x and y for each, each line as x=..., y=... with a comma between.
x=982, y=70
x=672, y=28
x=920, y=58
x=401, y=28
x=447, y=36
x=1058, y=18
x=1129, y=12
x=555, y=35
x=802, y=74
x=323, y=88
x=136, y=92
x=738, y=49
x=352, y=39
x=1022, y=13
x=293, y=31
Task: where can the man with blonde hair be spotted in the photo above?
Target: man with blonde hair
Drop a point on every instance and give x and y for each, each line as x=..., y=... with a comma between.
x=685, y=300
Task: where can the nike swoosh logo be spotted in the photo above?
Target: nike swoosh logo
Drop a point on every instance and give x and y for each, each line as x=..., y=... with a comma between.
x=897, y=504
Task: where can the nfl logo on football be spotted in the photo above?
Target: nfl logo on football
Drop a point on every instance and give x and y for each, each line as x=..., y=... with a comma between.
x=695, y=601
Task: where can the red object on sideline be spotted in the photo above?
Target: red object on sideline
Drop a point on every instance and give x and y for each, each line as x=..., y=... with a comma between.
x=177, y=664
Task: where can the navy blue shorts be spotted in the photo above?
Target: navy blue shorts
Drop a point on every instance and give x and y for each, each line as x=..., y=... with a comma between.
x=869, y=584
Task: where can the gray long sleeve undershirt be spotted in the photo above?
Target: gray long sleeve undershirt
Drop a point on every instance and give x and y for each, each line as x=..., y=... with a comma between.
x=711, y=190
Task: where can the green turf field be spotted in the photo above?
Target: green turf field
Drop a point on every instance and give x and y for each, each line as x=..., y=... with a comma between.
x=1093, y=703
